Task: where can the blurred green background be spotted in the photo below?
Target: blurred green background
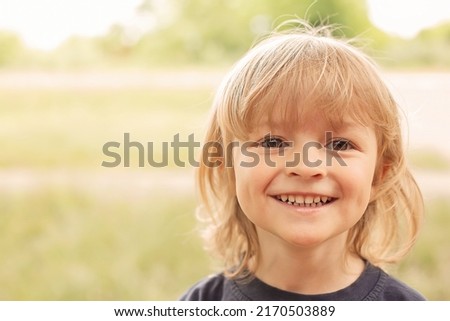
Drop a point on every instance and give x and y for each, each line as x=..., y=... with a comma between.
x=74, y=230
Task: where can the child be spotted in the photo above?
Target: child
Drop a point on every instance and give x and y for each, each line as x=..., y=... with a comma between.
x=303, y=179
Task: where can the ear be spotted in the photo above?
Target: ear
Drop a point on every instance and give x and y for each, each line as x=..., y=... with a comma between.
x=383, y=169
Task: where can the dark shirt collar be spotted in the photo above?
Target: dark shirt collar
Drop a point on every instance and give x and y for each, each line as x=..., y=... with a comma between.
x=257, y=290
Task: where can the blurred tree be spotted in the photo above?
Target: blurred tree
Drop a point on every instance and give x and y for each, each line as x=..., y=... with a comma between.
x=10, y=48
x=432, y=46
x=210, y=31
x=440, y=33
x=76, y=52
x=115, y=42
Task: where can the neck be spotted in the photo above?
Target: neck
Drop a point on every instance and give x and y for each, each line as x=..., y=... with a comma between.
x=308, y=270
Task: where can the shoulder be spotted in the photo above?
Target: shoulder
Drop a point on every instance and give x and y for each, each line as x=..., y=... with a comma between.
x=209, y=289
x=389, y=288
x=396, y=290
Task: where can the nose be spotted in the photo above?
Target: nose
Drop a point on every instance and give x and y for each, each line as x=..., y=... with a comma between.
x=309, y=162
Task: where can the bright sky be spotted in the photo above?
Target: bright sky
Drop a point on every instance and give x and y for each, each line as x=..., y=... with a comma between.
x=44, y=24
x=407, y=17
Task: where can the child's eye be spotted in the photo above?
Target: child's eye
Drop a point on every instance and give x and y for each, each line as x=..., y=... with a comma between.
x=339, y=145
x=273, y=142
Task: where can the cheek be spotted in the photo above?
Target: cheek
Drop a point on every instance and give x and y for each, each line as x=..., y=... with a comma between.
x=357, y=180
x=245, y=191
x=245, y=170
x=252, y=182
x=243, y=179
x=249, y=180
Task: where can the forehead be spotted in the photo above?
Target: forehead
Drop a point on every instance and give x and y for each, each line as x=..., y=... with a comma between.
x=295, y=81
x=305, y=105
x=305, y=121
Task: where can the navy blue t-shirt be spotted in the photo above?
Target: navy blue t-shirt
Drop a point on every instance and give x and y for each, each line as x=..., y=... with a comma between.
x=372, y=285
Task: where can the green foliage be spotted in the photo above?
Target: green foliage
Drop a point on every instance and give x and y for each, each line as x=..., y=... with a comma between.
x=10, y=48
x=213, y=31
x=201, y=32
x=206, y=32
x=440, y=33
x=428, y=50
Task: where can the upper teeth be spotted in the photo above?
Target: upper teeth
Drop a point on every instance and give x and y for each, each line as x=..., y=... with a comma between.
x=308, y=200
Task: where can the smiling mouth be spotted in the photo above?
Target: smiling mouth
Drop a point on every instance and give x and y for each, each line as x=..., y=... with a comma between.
x=305, y=201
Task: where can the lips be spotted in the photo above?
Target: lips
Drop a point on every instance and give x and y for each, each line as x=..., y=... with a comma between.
x=305, y=200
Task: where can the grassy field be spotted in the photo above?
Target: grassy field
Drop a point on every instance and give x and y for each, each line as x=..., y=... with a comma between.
x=74, y=230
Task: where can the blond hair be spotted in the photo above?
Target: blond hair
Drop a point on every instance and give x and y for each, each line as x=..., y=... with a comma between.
x=307, y=67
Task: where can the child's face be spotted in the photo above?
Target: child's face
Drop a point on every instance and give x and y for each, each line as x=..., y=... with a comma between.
x=317, y=199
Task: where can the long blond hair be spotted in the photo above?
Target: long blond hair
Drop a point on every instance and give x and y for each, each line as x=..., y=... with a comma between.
x=307, y=65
